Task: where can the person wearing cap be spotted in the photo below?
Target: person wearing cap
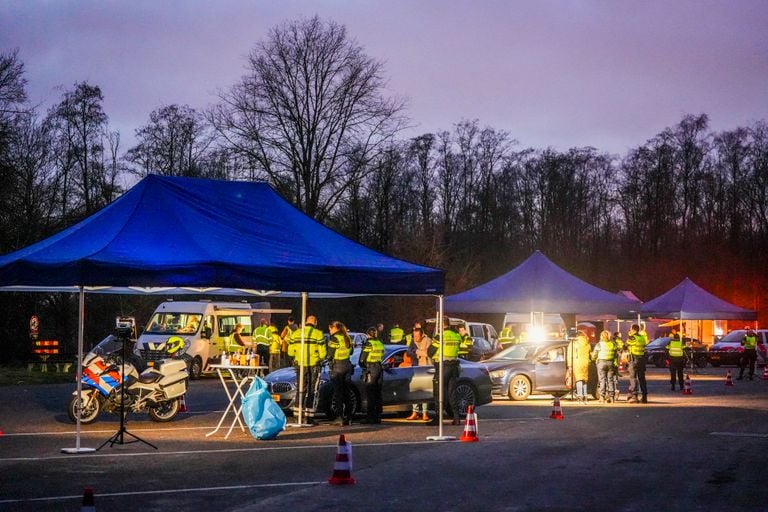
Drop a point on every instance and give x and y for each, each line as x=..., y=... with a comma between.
x=749, y=356
x=445, y=348
x=373, y=376
x=636, y=342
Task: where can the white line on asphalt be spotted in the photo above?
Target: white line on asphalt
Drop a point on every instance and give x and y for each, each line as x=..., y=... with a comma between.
x=164, y=491
x=82, y=432
x=197, y=452
x=737, y=434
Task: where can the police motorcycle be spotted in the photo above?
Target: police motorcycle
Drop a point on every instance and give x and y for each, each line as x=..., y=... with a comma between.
x=155, y=390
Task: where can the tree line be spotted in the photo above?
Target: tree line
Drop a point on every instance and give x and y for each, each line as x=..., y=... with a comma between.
x=311, y=116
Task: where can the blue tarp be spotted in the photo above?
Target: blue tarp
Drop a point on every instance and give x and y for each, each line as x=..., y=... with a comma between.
x=538, y=285
x=694, y=303
x=188, y=232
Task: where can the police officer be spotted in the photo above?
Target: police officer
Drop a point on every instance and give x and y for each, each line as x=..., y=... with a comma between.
x=339, y=352
x=236, y=341
x=507, y=336
x=467, y=343
x=275, y=349
x=676, y=360
x=262, y=337
x=605, y=354
x=749, y=356
x=396, y=335
x=449, y=355
x=373, y=377
x=310, y=359
x=636, y=342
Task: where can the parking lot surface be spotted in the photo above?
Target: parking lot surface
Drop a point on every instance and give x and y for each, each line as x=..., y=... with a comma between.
x=704, y=451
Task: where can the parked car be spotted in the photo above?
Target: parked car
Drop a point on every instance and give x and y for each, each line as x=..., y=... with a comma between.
x=656, y=353
x=486, y=340
x=728, y=350
x=529, y=368
x=403, y=385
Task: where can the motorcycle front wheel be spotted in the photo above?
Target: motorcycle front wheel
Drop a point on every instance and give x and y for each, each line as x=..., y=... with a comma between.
x=164, y=411
x=90, y=406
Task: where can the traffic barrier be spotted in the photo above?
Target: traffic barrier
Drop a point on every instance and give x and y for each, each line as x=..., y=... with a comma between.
x=687, y=385
x=728, y=379
x=342, y=468
x=183, y=403
x=470, y=426
x=557, y=411
x=765, y=372
x=88, y=501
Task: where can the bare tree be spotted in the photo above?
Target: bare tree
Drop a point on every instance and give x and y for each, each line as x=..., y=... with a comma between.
x=310, y=99
x=13, y=94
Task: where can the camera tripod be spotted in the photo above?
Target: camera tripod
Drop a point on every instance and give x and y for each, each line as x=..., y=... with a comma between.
x=119, y=436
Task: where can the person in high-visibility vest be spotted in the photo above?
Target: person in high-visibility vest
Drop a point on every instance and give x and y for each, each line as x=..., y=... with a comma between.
x=275, y=349
x=507, y=336
x=675, y=349
x=467, y=343
x=236, y=341
x=262, y=337
x=448, y=353
x=311, y=359
x=749, y=356
x=605, y=354
x=339, y=352
x=373, y=376
x=396, y=335
x=637, y=339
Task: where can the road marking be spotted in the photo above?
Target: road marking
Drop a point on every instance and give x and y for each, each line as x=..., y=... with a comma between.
x=737, y=434
x=82, y=432
x=164, y=491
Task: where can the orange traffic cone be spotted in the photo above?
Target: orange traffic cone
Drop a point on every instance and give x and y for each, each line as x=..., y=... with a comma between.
x=687, y=385
x=557, y=411
x=765, y=372
x=88, y=504
x=470, y=427
x=342, y=468
x=728, y=379
x=183, y=403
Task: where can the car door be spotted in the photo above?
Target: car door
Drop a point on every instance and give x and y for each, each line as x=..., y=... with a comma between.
x=549, y=367
x=397, y=379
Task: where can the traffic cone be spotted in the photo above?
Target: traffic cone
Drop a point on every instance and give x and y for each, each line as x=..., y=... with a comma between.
x=470, y=427
x=765, y=372
x=687, y=385
x=183, y=403
x=557, y=411
x=728, y=379
x=88, y=504
x=342, y=468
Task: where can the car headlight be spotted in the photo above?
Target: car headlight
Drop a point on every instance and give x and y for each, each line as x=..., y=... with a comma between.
x=497, y=374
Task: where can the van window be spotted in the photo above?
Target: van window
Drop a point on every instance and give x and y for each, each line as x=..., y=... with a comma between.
x=174, y=323
x=476, y=331
x=227, y=324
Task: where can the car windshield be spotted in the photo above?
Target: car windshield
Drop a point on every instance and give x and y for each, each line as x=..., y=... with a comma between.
x=521, y=352
x=174, y=323
x=733, y=336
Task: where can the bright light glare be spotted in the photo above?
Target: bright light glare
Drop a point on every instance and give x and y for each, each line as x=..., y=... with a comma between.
x=537, y=334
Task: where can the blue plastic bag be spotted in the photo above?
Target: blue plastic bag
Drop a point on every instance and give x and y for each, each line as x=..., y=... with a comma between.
x=263, y=416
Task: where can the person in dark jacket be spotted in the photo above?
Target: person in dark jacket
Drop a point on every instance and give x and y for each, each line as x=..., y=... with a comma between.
x=370, y=361
x=339, y=352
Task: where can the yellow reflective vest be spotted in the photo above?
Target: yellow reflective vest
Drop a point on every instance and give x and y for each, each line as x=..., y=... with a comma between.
x=314, y=346
x=450, y=346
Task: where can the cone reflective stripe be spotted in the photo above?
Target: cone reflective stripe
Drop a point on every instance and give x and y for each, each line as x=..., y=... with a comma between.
x=183, y=403
x=687, y=385
x=342, y=468
x=765, y=372
x=557, y=411
x=88, y=503
x=470, y=426
x=728, y=379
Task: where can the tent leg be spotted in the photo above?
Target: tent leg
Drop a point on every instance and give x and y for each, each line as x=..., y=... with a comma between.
x=441, y=398
x=79, y=374
x=300, y=390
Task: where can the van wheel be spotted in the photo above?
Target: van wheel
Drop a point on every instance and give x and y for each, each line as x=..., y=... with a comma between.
x=195, y=368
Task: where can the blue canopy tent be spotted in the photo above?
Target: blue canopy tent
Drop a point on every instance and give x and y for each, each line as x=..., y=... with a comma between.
x=693, y=302
x=538, y=285
x=185, y=232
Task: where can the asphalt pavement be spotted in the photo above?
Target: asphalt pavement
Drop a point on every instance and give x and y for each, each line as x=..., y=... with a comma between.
x=704, y=451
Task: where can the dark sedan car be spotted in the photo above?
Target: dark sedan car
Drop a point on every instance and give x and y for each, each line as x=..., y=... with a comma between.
x=403, y=385
x=656, y=352
x=528, y=368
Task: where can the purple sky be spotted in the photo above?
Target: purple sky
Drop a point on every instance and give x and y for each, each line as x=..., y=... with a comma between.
x=609, y=74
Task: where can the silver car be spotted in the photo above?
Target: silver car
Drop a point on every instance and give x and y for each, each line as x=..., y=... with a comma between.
x=403, y=385
x=527, y=368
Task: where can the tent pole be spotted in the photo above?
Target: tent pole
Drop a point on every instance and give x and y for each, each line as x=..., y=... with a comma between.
x=79, y=371
x=441, y=398
x=300, y=390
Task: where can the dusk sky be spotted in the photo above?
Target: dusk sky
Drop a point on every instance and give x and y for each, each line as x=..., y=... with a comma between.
x=608, y=74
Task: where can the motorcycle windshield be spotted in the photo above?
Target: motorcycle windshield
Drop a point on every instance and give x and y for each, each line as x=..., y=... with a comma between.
x=109, y=345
